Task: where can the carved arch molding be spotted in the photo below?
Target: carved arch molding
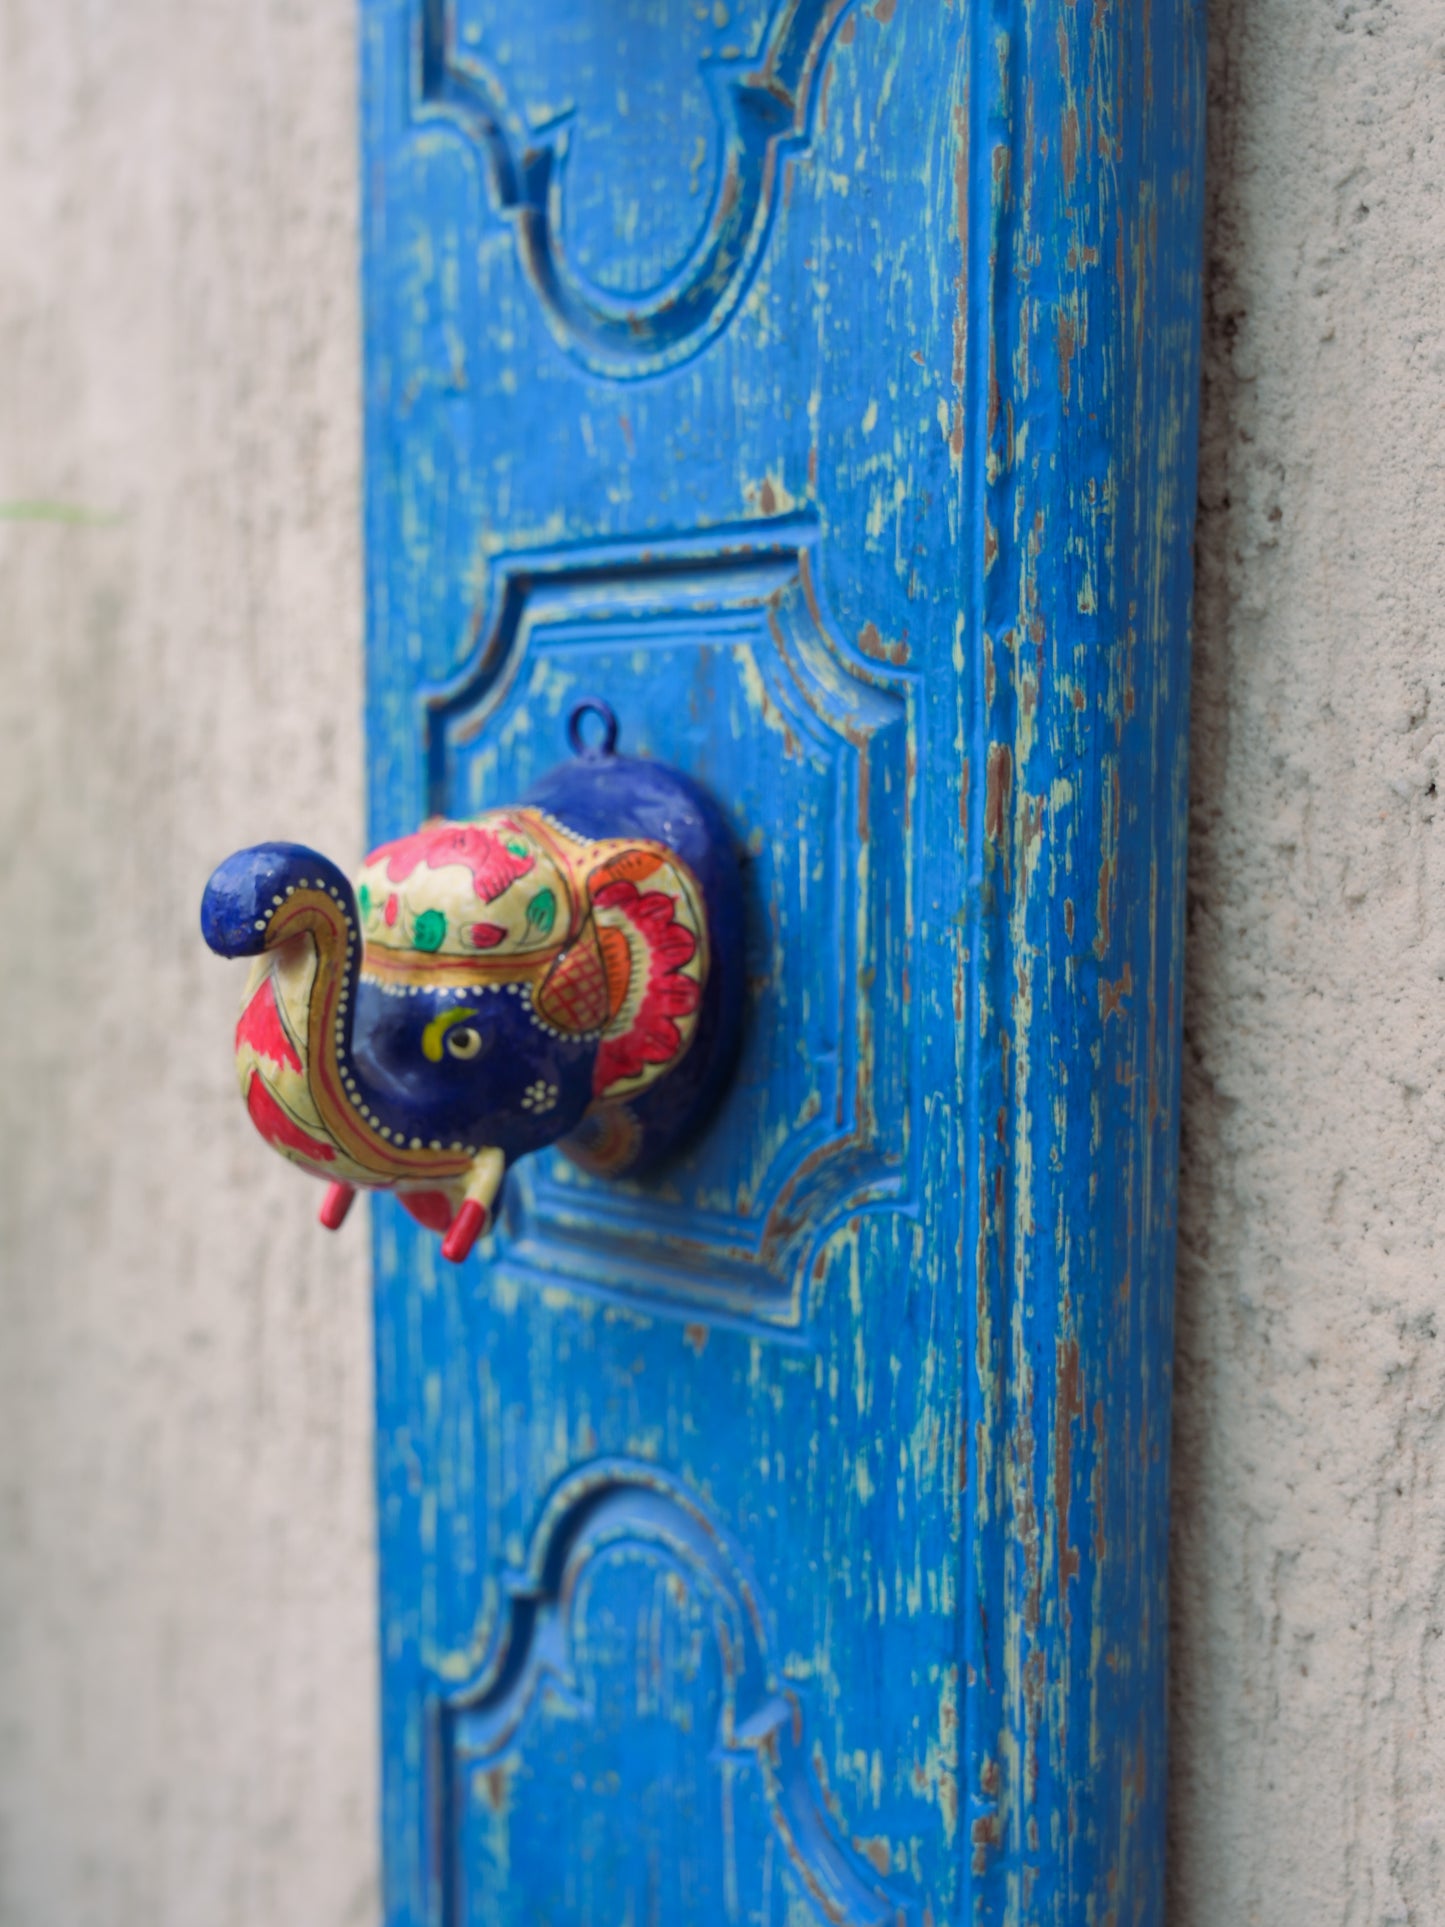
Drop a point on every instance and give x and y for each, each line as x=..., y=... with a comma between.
x=634, y=1613
x=762, y=108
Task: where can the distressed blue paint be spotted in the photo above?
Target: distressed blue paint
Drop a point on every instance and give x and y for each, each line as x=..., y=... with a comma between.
x=890, y=548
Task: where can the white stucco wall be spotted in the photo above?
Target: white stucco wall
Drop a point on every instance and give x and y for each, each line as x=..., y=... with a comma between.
x=1309, y=1741
x=187, y=1727
x=187, y=1724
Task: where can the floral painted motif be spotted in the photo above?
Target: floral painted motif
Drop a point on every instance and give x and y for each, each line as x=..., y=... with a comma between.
x=495, y=886
x=495, y=859
x=647, y=952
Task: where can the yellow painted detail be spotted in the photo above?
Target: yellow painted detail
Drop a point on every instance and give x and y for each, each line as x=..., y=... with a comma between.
x=434, y=1035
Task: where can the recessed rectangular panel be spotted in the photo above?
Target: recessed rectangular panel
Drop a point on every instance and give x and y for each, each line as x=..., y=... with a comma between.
x=718, y=656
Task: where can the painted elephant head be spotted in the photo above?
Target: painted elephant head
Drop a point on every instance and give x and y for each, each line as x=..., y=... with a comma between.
x=488, y=988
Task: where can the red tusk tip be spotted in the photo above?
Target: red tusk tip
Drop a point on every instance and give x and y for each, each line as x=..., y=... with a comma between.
x=467, y=1226
x=336, y=1204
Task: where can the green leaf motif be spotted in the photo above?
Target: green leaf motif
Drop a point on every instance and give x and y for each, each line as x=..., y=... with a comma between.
x=431, y=930
x=542, y=912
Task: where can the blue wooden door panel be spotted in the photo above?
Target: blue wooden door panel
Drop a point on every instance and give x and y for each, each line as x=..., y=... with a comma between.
x=783, y=1540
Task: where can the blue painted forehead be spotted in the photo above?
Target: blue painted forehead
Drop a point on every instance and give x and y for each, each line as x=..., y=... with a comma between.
x=505, y=1010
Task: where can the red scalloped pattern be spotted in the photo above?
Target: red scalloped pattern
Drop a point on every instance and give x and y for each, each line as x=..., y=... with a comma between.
x=653, y=1036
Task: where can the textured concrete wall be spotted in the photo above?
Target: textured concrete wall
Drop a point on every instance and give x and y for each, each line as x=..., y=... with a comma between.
x=186, y=1718
x=1309, y=1741
x=186, y=1664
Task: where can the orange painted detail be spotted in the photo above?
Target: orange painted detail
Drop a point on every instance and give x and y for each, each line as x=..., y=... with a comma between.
x=575, y=996
x=494, y=966
x=617, y=964
x=633, y=866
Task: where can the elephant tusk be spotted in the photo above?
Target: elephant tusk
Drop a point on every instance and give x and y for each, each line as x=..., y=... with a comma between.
x=336, y=1204
x=484, y=1181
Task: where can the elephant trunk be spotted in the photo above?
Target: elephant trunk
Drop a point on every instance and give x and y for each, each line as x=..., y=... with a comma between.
x=251, y=906
x=296, y=914
x=294, y=911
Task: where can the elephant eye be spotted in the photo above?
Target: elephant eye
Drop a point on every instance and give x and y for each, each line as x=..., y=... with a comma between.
x=464, y=1042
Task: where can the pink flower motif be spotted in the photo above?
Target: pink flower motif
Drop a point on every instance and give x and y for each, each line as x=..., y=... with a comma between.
x=495, y=862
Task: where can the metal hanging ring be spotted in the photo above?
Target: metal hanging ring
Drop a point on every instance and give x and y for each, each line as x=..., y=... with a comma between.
x=592, y=706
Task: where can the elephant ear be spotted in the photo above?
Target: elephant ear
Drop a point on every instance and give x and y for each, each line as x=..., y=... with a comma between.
x=651, y=939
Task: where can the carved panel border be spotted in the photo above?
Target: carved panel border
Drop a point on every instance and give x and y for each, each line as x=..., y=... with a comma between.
x=826, y=735
x=480, y=1731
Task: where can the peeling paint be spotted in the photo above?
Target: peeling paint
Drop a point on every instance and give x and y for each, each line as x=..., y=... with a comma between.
x=943, y=444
